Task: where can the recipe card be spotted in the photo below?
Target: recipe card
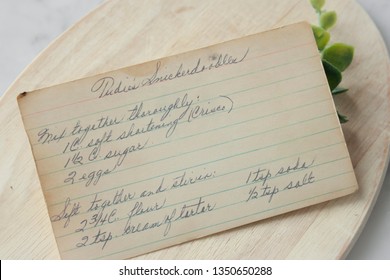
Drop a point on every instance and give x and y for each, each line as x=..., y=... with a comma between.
x=157, y=154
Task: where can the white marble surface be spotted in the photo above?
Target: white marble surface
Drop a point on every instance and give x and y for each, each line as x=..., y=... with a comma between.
x=28, y=26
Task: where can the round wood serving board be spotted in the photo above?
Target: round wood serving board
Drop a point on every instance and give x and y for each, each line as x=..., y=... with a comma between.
x=122, y=33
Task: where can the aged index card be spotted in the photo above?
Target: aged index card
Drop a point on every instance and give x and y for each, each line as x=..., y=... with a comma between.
x=153, y=155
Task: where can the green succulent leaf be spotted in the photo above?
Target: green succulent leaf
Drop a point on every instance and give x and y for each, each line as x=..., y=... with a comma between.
x=328, y=19
x=339, y=90
x=335, y=58
x=342, y=118
x=332, y=74
x=321, y=35
x=339, y=55
x=317, y=4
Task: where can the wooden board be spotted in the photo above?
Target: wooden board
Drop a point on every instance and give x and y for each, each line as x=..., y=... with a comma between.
x=121, y=33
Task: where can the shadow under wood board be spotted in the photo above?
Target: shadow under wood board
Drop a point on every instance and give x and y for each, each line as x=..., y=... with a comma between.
x=123, y=33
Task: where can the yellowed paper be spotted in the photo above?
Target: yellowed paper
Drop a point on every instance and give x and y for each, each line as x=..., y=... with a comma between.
x=168, y=151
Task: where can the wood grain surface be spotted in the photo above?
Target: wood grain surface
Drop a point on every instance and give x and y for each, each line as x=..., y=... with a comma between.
x=121, y=33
